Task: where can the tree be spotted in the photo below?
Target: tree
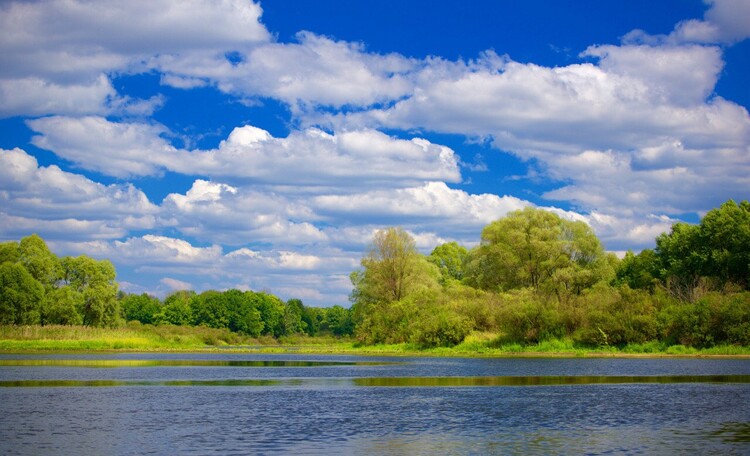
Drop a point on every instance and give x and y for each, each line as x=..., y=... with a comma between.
x=244, y=317
x=449, y=258
x=9, y=252
x=725, y=234
x=292, y=319
x=41, y=263
x=640, y=271
x=94, y=281
x=392, y=268
x=21, y=296
x=537, y=249
x=339, y=321
x=143, y=308
x=718, y=248
x=210, y=309
x=271, y=312
x=61, y=307
x=176, y=309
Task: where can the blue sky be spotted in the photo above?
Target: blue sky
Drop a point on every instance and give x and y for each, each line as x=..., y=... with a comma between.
x=230, y=144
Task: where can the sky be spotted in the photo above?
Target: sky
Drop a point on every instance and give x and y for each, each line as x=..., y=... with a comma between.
x=217, y=144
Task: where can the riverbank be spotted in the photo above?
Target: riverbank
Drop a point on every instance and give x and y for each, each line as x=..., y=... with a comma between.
x=147, y=338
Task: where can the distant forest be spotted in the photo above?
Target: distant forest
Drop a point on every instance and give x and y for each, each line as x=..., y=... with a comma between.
x=533, y=277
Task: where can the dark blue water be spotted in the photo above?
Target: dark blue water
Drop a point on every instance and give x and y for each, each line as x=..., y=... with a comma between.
x=231, y=404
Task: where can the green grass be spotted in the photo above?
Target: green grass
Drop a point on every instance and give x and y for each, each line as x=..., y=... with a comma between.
x=134, y=337
x=137, y=337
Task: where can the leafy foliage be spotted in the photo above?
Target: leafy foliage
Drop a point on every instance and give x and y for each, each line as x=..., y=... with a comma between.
x=536, y=277
x=40, y=288
x=537, y=249
x=21, y=296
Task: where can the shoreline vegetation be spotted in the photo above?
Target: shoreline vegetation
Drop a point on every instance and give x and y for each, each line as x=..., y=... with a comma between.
x=536, y=283
x=35, y=339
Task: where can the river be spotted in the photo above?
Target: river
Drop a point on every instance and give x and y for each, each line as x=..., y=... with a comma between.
x=133, y=404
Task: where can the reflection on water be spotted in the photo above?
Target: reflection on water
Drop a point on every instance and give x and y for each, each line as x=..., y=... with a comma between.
x=410, y=382
x=545, y=380
x=733, y=432
x=179, y=362
x=111, y=383
x=56, y=405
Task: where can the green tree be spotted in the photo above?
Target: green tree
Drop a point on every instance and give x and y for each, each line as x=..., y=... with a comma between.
x=314, y=319
x=338, y=321
x=641, y=271
x=716, y=251
x=449, y=258
x=292, y=319
x=9, y=252
x=61, y=307
x=244, y=317
x=21, y=296
x=210, y=309
x=94, y=282
x=392, y=269
x=681, y=258
x=41, y=263
x=176, y=309
x=271, y=312
x=537, y=249
x=725, y=235
x=143, y=308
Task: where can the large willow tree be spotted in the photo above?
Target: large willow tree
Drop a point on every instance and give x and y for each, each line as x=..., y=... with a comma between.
x=392, y=269
x=533, y=248
x=393, y=273
x=37, y=287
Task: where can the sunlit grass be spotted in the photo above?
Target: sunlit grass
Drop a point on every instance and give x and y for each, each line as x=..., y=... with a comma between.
x=137, y=337
x=131, y=337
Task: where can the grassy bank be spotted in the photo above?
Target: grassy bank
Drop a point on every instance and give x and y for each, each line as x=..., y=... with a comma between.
x=136, y=337
x=133, y=337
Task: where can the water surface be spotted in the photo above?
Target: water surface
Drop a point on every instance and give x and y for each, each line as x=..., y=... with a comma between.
x=280, y=404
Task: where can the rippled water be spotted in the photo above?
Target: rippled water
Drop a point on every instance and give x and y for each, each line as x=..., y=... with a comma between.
x=252, y=404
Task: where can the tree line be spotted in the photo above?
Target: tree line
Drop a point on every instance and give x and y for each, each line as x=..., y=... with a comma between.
x=246, y=312
x=38, y=288
x=535, y=276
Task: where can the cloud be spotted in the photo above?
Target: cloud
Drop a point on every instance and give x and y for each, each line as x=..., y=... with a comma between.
x=320, y=71
x=611, y=125
x=63, y=40
x=159, y=250
x=666, y=75
x=309, y=157
x=222, y=213
x=313, y=157
x=320, y=278
x=175, y=285
x=110, y=148
x=285, y=260
x=726, y=21
x=628, y=231
x=31, y=191
x=60, y=53
x=433, y=203
x=14, y=227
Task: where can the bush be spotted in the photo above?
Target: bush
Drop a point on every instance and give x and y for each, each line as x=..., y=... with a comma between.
x=617, y=317
x=714, y=319
x=443, y=328
x=524, y=317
